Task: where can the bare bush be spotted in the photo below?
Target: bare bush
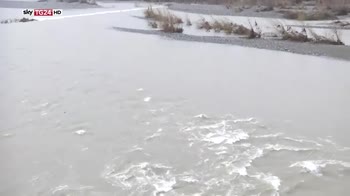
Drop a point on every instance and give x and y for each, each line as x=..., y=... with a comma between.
x=170, y=28
x=153, y=24
x=203, y=24
x=228, y=28
x=167, y=22
x=292, y=35
x=217, y=26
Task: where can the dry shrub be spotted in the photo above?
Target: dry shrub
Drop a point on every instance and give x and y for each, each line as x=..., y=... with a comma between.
x=217, y=26
x=203, y=24
x=158, y=15
x=228, y=28
x=240, y=30
x=150, y=13
x=170, y=28
x=237, y=29
x=291, y=34
x=153, y=24
x=254, y=33
x=168, y=22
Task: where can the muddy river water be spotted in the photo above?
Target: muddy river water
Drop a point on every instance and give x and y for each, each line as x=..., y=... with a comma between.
x=87, y=110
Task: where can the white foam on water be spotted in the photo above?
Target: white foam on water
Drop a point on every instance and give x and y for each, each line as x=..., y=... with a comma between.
x=80, y=132
x=189, y=179
x=315, y=166
x=228, y=138
x=239, y=170
x=244, y=120
x=329, y=141
x=221, y=152
x=142, y=176
x=140, y=89
x=154, y=135
x=135, y=148
x=274, y=135
x=213, y=126
x=279, y=147
x=303, y=141
x=147, y=99
x=65, y=188
x=244, y=161
x=219, y=125
x=59, y=188
x=187, y=128
x=215, y=140
x=337, y=146
x=201, y=116
x=164, y=186
x=274, y=181
x=246, y=145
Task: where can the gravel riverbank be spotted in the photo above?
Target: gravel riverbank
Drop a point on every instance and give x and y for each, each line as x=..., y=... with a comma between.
x=339, y=52
x=222, y=10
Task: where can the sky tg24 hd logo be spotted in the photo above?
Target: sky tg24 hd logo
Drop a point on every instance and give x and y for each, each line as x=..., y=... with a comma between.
x=42, y=12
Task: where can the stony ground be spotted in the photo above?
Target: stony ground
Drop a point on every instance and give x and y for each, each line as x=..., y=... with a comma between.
x=339, y=52
x=251, y=11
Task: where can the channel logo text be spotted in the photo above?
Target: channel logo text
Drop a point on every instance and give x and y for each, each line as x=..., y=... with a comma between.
x=42, y=12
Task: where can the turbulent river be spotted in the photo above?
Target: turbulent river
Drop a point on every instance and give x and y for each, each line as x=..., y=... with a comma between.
x=87, y=110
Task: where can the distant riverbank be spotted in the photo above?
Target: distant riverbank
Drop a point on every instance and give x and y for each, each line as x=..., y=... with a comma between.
x=48, y=4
